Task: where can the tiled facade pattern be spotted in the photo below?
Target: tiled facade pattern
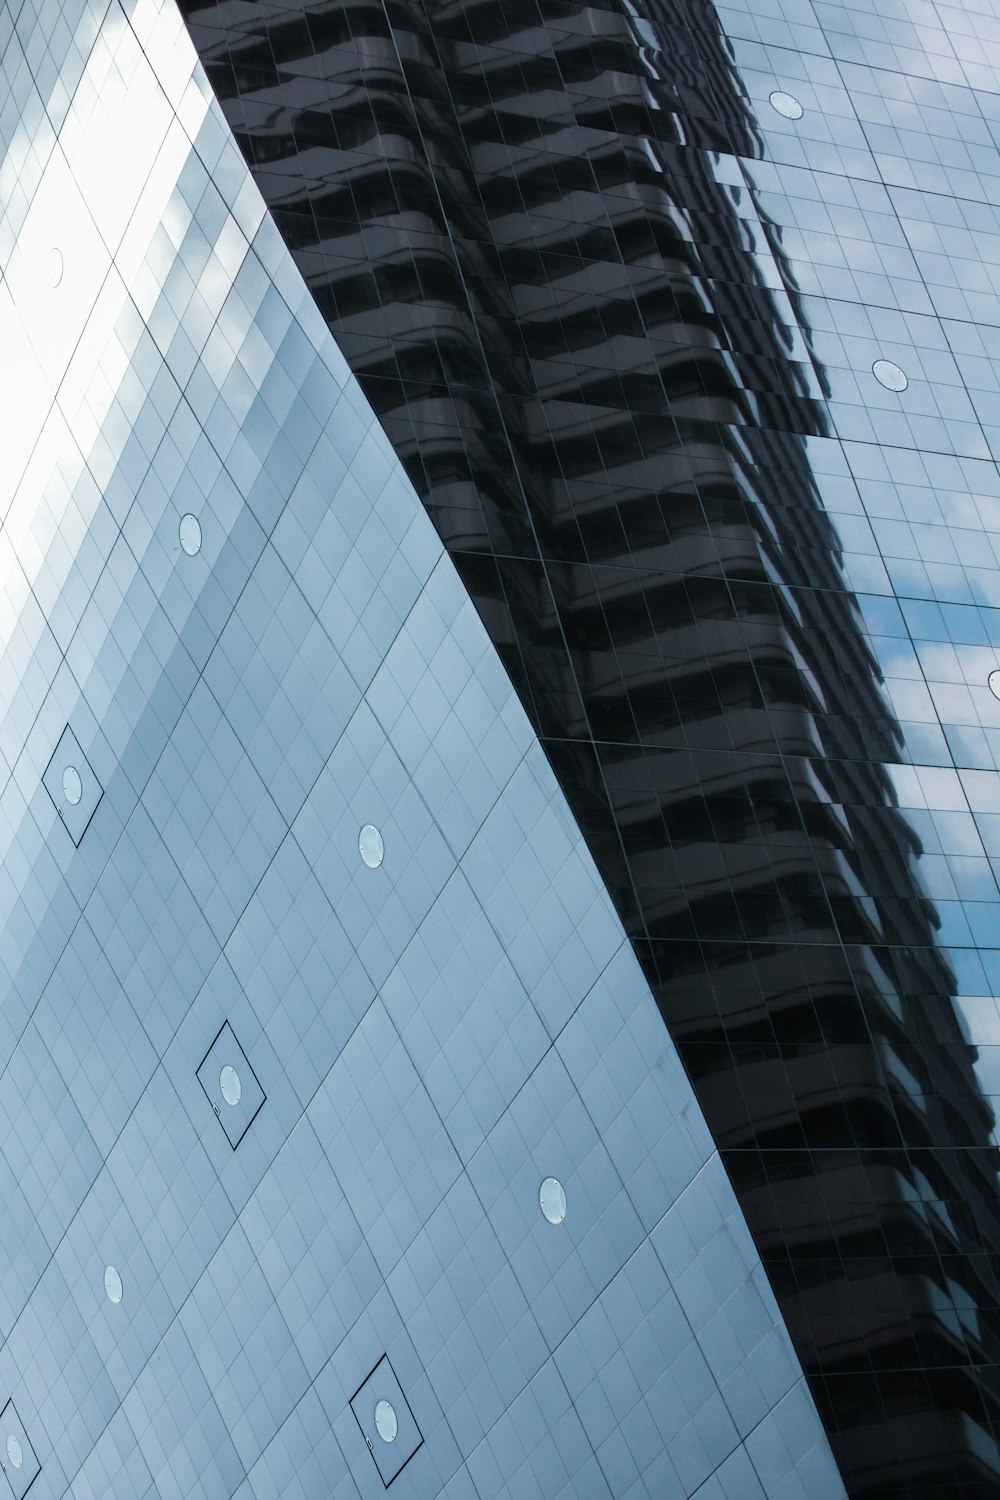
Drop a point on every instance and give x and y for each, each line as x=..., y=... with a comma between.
x=620, y=281
x=189, y=1312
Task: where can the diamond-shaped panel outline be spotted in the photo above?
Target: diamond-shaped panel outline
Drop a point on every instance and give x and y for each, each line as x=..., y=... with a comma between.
x=20, y=1480
x=237, y=1051
x=384, y=1377
x=75, y=819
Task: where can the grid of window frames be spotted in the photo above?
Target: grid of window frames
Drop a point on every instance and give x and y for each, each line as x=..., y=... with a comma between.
x=342, y=1145
x=683, y=319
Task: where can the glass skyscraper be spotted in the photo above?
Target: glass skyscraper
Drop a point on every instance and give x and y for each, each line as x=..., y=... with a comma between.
x=499, y=743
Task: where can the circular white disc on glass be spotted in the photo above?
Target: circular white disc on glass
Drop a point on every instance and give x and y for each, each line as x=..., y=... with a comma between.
x=72, y=785
x=994, y=683
x=552, y=1200
x=112, y=1284
x=371, y=846
x=14, y=1451
x=386, y=1424
x=229, y=1083
x=786, y=104
x=889, y=375
x=53, y=268
x=190, y=534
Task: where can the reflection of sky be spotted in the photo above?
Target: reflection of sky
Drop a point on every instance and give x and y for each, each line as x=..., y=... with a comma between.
x=115, y=285
x=882, y=192
x=82, y=208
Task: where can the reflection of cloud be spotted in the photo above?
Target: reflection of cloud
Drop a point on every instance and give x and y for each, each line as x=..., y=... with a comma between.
x=980, y=1019
x=54, y=317
x=25, y=397
x=980, y=1015
x=940, y=682
x=99, y=204
x=943, y=661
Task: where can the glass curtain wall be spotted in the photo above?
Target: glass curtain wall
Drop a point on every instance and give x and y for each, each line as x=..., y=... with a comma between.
x=575, y=257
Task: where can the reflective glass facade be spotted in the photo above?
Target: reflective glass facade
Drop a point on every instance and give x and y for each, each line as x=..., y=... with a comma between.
x=682, y=319
x=342, y=1143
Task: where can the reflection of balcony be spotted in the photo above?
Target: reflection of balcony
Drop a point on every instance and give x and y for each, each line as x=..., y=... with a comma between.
x=777, y=1092
x=884, y=1451
x=903, y=1077
x=623, y=486
x=879, y=1313
x=854, y=1199
x=765, y=983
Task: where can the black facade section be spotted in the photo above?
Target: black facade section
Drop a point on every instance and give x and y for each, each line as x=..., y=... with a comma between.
x=527, y=229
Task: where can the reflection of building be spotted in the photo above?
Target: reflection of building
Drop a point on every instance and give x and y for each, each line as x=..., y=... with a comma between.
x=553, y=296
x=341, y=1141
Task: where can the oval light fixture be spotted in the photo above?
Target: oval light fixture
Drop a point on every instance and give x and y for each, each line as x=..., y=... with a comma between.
x=370, y=846
x=230, y=1086
x=190, y=534
x=386, y=1422
x=785, y=104
x=552, y=1200
x=889, y=375
x=53, y=267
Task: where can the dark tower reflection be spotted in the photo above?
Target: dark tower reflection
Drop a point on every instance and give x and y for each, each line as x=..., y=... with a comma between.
x=528, y=231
